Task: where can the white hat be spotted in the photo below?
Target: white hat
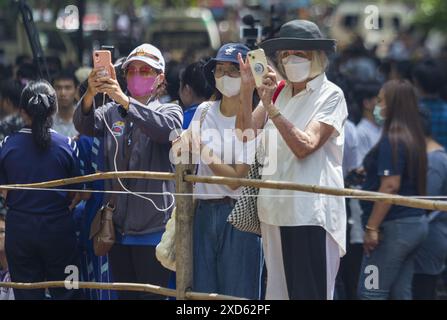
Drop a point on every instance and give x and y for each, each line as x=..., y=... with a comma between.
x=148, y=54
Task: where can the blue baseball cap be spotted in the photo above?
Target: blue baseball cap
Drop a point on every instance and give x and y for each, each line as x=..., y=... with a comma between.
x=227, y=53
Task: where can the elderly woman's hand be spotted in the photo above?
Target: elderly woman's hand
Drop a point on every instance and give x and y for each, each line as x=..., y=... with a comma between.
x=268, y=88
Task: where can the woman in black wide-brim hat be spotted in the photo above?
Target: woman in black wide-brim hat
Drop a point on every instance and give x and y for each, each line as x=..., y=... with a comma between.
x=303, y=234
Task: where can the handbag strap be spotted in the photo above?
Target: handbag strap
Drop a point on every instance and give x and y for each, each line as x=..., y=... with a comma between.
x=202, y=118
x=203, y=114
x=278, y=90
x=259, y=158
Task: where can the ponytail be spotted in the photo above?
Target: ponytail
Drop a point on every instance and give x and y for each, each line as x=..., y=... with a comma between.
x=39, y=102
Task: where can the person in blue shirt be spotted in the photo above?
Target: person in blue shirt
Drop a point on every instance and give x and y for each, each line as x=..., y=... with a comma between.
x=194, y=89
x=40, y=231
x=396, y=165
x=93, y=268
x=432, y=254
x=427, y=78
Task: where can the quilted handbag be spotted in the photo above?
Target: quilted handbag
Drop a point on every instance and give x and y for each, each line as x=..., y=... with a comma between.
x=244, y=215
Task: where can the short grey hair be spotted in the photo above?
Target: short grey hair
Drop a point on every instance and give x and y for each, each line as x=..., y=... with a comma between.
x=319, y=64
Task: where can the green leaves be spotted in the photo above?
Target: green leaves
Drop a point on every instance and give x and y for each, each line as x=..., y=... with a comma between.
x=431, y=14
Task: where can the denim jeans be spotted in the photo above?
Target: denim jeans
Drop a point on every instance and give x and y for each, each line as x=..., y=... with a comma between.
x=388, y=272
x=226, y=260
x=432, y=254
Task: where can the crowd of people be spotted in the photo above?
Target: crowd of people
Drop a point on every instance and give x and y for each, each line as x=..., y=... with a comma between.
x=322, y=118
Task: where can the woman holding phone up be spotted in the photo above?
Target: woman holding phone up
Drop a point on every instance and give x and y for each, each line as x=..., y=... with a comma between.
x=135, y=128
x=303, y=234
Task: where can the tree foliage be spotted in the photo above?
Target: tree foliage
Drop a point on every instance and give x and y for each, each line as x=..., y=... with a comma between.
x=432, y=14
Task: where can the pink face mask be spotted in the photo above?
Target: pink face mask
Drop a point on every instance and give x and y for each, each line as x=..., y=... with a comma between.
x=141, y=86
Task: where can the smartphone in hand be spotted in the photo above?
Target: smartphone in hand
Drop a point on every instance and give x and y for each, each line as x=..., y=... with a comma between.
x=103, y=59
x=258, y=65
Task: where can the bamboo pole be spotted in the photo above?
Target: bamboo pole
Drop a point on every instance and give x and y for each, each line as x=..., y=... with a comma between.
x=365, y=195
x=93, y=285
x=210, y=296
x=183, y=231
x=119, y=287
x=96, y=176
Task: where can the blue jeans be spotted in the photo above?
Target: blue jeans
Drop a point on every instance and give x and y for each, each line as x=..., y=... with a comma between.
x=388, y=272
x=432, y=254
x=226, y=260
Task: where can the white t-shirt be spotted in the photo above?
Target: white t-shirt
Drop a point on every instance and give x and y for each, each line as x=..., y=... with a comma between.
x=218, y=133
x=368, y=135
x=351, y=159
x=321, y=101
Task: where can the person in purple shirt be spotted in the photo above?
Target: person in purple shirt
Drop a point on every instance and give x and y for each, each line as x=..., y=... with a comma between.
x=138, y=127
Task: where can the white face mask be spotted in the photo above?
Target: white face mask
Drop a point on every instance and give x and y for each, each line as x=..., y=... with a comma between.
x=297, y=68
x=228, y=86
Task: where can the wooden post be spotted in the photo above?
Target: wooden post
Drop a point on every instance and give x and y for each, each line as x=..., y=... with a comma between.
x=183, y=231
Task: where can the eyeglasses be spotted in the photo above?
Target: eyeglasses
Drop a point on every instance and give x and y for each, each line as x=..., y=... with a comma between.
x=232, y=71
x=143, y=71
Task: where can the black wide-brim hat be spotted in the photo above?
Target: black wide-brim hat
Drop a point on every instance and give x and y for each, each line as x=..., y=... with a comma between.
x=299, y=35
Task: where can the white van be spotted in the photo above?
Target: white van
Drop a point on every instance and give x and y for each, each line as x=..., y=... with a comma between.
x=349, y=18
x=54, y=43
x=179, y=30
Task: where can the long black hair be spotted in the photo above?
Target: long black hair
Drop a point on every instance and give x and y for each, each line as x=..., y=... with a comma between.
x=403, y=126
x=39, y=101
x=194, y=76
